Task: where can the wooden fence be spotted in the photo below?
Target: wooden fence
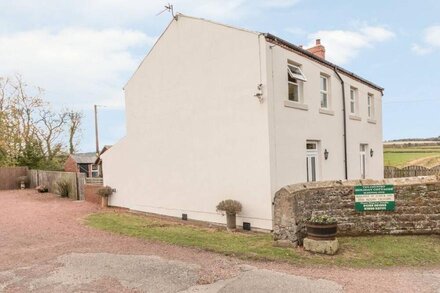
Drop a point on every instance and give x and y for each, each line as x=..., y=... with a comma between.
x=410, y=171
x=9, y=175
x=50, y=178
x=94, y=180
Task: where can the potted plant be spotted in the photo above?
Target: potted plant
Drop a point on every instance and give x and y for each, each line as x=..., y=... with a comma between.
x=23, y=181
x=231, y=208
x=321, y=227
x=105, y=192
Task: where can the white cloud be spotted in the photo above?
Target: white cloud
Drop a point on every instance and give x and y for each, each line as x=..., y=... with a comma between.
x=81, y=49
x=344, y=45
x=431, y=41
x=76, y=66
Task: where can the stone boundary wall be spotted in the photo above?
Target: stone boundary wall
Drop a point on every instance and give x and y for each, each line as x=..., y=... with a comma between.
x=417, y=208
x=49, y=179
x=410, y=171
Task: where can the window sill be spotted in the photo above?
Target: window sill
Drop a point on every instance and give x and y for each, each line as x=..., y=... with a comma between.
x=355, y=117
x=327, y=111
x=296, y=105
x=372, y=121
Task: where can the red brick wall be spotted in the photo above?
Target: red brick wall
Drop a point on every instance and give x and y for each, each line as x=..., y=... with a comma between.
x=318, y=49
x=70, y=165
x=91, y=193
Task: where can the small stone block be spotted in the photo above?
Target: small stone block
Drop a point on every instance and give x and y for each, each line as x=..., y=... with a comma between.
x=285, y=243
x=329, y=247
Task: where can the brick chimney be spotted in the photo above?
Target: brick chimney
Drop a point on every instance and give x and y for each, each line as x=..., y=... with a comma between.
x=318, y=49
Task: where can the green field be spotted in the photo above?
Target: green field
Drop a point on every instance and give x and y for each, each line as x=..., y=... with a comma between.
x=427, y=156
x=374, y=251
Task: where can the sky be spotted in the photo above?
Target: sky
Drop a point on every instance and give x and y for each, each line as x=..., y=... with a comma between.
x=82, y=52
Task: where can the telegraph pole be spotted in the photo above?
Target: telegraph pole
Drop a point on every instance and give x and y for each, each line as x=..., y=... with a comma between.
x=96, y=129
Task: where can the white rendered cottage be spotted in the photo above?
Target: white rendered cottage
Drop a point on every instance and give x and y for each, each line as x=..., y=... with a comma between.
x=216, y=112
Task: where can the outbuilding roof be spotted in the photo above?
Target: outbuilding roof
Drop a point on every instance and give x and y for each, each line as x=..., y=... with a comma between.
x=84, y=158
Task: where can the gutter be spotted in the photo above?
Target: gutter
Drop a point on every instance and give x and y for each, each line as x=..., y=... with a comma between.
x=344, y=113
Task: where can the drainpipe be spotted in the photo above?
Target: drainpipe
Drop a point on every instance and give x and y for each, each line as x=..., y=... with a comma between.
x=344, y=113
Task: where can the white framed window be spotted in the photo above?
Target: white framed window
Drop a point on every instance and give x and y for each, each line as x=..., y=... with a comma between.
x=324, y=91
x=353, y=100
x=95, y=170
x=296, y=72
x=295, y=78
x=370, y=101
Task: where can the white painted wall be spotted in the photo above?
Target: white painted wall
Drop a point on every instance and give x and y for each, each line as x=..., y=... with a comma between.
x=290, y=128
x=195, y=132
x=197, y=135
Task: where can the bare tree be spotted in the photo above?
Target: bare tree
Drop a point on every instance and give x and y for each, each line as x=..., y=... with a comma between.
x=74, y=123
x=31, y=132
x=50, y=128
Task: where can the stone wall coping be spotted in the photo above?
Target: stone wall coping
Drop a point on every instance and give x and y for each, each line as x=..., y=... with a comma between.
x=351, y=183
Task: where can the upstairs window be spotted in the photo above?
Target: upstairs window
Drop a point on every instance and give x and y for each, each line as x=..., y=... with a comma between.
x=295, y=78
x=324, y=92
x=370, y=101
x=353, y=100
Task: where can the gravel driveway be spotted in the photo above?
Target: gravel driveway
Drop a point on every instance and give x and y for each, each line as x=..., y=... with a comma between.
x=46, y=248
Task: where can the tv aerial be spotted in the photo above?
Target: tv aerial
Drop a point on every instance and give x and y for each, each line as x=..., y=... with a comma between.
x=170, y=8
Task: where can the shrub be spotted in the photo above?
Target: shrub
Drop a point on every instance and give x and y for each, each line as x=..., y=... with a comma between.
x=105, y=191
x=63, y=187
x=322, y=219
x=23, y=179
x=229, y=206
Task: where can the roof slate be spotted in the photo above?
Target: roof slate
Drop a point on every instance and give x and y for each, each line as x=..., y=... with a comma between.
x=84, y=158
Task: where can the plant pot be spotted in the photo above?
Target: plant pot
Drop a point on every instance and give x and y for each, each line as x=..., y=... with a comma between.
x=231, y=221
x=104, y=201
x=321, y=231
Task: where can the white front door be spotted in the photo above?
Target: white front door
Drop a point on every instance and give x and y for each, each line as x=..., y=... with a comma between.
x=363, y=157
x=312, y=161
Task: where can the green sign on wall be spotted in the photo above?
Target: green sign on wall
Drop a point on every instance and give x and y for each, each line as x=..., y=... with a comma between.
x=374, y=198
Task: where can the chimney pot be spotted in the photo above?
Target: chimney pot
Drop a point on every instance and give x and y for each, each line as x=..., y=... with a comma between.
x=318, y=49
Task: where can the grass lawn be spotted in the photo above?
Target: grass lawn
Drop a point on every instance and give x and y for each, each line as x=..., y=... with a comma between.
x=427, y=156
x=377, y=251
x=402, y=159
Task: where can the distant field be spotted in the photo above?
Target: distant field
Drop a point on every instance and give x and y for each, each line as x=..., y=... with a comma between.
x=427, y=156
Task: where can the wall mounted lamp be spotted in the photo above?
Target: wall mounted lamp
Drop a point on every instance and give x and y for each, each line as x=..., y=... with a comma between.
x=326, y=154
x=371, y=152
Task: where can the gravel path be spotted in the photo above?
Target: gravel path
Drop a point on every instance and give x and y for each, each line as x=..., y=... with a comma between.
x=41, y=234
